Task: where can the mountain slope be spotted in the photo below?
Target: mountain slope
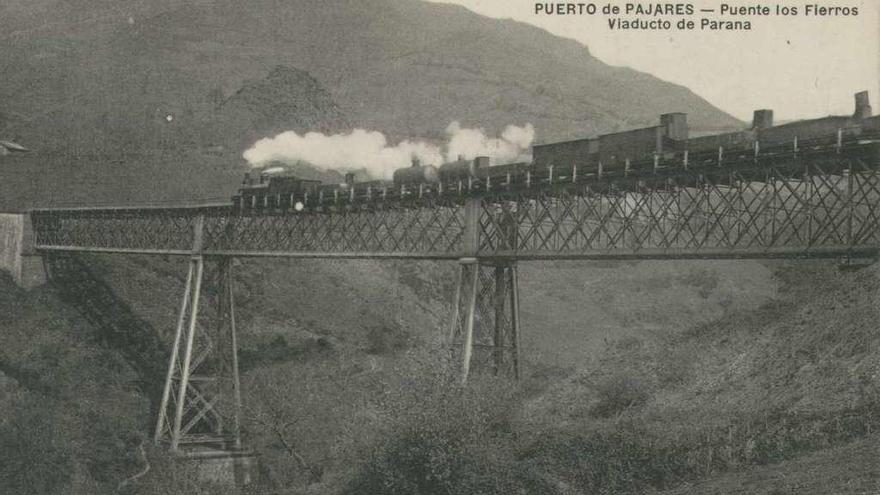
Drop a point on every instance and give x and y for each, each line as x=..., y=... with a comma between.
x=95, y=83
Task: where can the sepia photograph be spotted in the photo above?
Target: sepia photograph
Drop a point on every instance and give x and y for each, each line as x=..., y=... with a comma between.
x=451, y=247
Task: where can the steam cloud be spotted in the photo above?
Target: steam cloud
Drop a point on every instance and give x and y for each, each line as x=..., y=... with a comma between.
x=361, y=149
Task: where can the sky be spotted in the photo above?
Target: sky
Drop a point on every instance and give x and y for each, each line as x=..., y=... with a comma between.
x=800, y=66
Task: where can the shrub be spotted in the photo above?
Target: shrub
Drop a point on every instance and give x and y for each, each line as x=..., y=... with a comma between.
x=451, y=440
x=386, y=340
x=673, y=365
x=626, y=459
x=619, y=393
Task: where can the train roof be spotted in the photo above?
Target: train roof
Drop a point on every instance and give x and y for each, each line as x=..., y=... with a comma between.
x=578, y=140
x=828, y=118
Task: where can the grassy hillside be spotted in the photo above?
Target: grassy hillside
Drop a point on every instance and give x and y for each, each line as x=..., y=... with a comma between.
x=72, y=409
x=778, y=374
x=752, y=388
x=847, y=469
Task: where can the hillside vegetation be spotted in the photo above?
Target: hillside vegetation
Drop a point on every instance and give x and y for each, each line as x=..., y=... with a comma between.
x=348, y=387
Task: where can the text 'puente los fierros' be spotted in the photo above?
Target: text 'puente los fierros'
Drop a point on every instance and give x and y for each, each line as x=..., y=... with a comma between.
x=804, y=189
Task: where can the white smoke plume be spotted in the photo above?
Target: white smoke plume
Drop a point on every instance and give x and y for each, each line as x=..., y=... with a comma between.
x=361, y=149
x=470, y=143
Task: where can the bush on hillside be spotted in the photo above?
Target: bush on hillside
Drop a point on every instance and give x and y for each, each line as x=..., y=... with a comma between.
x=623, y=459
x=451, y=440
x=386, y=339
x=673, y=364
x=619, y=393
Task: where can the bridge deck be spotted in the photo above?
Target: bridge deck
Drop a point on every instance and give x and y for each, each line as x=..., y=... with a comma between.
x=819, y=202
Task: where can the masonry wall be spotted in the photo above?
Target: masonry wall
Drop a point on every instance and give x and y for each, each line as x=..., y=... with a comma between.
x=17, y=255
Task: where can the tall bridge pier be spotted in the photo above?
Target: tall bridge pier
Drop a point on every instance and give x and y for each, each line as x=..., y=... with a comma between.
x=200, y=411
x=201, y=400
x=485, y=318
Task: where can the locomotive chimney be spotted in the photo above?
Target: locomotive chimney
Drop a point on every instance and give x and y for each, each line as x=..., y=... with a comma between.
x=349, y=178
x=863, y=106
x=481, y=161
x=762, y=119
x=676, y=125
x=415, y=161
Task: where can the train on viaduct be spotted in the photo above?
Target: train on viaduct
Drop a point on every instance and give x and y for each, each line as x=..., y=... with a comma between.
x=645, y=153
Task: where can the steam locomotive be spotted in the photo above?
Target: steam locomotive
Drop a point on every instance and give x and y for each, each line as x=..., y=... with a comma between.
x=663, y=148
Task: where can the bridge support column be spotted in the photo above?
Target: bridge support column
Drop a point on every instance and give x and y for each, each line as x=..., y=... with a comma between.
x=485, y=323
x=201, y=403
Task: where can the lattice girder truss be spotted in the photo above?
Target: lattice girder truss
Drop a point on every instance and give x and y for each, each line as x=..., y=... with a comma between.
x=427, y=230
x=826, y=208
x=784, y=212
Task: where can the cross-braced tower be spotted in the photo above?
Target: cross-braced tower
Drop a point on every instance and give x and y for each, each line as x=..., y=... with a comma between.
x=485, y=321
x=201, y=402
